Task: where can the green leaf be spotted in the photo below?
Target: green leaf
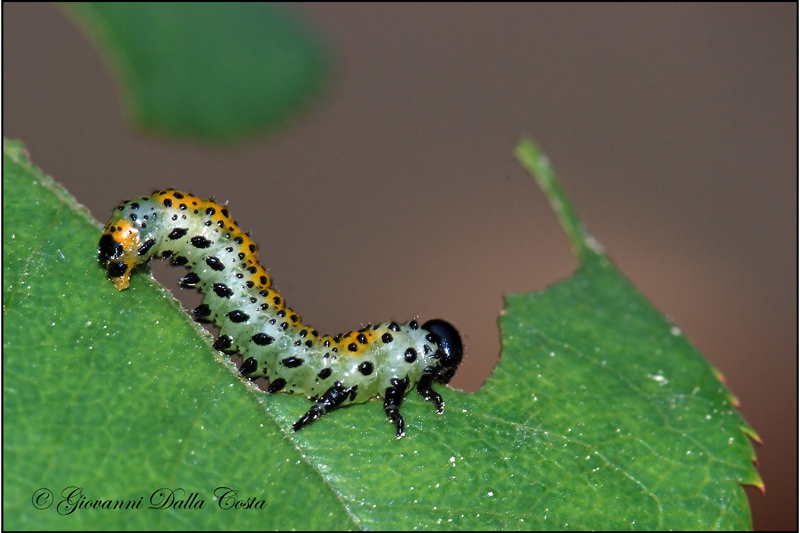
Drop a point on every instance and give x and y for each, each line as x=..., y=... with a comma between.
x=599, y=415
x=648, y=435
x=206, y=71
x=121, y=395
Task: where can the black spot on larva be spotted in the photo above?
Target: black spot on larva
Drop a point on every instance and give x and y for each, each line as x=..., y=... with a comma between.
x=178, y=260
x=294, y=318
x=201, y=311
x=276, y=386
x=325, y=373
x=387, y=338
x=282, y=313
x=352, y=347
x=134, y=205
x=298, y=343
x=284, y=326
x=222, y=290
x=413, y=325
x=177, y=233
x=146, y=245
x=116, y=269
x=250, y=285
x=133, y=217
x=223, y=343
x=263, y=280
x=410, y=355
x=362, y=338
x=430, y=337
x=394, y=326
x=252, y=270
x=210, y=211
x=366, y=368
x=238, y=240
x=214, y=263
x=309, y=344
x=189, y=281
x=225, y=213
x=253, y=300
x=277, y=300
x=252, y=248
x=327, y=343
x=200, y=242
x=178, y=195
x=262, y=339
x=238, y=316
x=167, y=202
x=109, y=248
x=292, y=362
x=303, y=333
x=248, y=366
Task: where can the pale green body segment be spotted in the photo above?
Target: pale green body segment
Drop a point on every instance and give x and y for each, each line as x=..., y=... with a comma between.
x=311, y=365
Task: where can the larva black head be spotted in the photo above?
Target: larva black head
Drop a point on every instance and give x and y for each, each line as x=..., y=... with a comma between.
x=451, y=350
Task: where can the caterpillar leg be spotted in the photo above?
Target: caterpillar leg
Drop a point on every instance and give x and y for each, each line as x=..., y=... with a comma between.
x=391, y=404
x=426, y=391
x=330, y=400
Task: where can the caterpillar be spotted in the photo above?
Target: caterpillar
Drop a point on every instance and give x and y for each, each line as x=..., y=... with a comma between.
x=382, y=361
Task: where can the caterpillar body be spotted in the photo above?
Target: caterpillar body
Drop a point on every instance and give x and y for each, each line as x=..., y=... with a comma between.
x=386, y=360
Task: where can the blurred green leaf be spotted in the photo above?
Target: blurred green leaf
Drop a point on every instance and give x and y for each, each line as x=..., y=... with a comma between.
x=599, y=415
x=206, y=71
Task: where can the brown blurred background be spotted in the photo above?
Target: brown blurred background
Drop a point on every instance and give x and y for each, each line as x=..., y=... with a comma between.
x=672, y=127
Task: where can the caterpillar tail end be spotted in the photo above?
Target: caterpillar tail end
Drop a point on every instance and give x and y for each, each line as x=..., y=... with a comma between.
x=122, y=282
x=116, y=251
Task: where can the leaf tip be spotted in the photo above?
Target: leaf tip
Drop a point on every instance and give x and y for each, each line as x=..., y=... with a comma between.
x=15, y=149
x=537, y=164
x=757, y=483
x=750, y=432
